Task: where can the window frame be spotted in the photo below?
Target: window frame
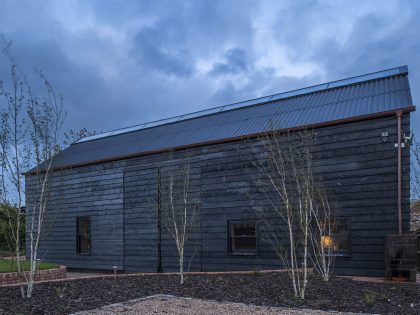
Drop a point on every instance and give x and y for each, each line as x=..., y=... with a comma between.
x=247, y=252
x=78, y=242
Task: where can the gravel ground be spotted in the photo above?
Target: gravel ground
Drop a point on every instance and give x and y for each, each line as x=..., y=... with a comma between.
x=166, y=304
x=265, y=289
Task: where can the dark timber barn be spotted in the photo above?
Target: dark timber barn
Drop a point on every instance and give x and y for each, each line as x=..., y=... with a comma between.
x=110, y=185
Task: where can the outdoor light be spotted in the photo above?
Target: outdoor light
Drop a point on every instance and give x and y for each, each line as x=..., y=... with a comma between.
x=408, y=138
x=384, y=136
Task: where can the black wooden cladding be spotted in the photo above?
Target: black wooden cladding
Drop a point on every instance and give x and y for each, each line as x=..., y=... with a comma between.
x=140, y=219
x=123, y=200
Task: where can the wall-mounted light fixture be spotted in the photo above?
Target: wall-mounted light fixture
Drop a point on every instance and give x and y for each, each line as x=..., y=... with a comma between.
x=408, y=138
x=384, y=136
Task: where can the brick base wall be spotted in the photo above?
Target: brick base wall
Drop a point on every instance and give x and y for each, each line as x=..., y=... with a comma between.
x=41, y=275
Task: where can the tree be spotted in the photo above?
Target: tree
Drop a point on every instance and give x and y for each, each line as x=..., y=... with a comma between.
x=29, y=139
x=322, y=229
x=46, y=119
x=299, y=202
x=415, y=171
x=415, y=187
x=73, y=136
x=415, y=216
x=13, y=138
x=180, y=213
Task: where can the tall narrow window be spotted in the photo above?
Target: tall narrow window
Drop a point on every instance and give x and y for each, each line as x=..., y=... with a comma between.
x=243, y=237
x=338, y=238
x=83, y=236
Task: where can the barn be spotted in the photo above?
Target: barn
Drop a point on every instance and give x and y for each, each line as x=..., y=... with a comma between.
x=111, y=186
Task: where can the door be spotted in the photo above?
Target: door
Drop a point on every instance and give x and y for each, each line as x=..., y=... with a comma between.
x=141, y=233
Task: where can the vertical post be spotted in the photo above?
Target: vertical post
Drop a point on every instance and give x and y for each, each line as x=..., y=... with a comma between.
x=159, y=244
x=115, y=271
x=399, y=117
x=123, y=222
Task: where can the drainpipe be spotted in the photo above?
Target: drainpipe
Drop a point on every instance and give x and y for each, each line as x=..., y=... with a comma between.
x=399, y=117
x=159, y=223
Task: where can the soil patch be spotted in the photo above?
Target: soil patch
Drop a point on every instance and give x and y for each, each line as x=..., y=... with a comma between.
x=263, y=289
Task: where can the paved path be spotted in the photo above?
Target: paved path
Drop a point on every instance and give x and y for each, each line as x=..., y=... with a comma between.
x=77, y=275
x=167, y=304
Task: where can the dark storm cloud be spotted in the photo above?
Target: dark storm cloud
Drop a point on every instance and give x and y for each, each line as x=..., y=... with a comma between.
x=235, y=61
x=259, y=81
x=79, y=84
x=372, y=44
x=378, y=39
x=122, y=63
x=185, y=33
x=376, y=42
x=162, y=48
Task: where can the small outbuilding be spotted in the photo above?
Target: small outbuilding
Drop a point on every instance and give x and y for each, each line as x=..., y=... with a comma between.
x=110, y=186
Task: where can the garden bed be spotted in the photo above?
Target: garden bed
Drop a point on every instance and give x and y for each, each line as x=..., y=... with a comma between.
x=268, y=289
x=46, y=271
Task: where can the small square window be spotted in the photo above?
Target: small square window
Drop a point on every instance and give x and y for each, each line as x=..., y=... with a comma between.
x=338, y=237
x=83, y=236
x=243, y=237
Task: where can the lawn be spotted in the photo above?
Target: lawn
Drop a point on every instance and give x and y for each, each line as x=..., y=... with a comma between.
x=10, y=266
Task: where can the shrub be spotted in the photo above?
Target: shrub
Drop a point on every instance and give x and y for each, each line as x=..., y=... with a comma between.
x=8, y=216
x=369, y=298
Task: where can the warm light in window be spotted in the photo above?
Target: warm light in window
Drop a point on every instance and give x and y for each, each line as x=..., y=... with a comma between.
x=327, y=241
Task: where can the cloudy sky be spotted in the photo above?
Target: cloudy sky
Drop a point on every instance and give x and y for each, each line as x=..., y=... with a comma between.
x=120, y=63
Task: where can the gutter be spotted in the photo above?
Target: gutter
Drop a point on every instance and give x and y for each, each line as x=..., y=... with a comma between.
x=408, y=109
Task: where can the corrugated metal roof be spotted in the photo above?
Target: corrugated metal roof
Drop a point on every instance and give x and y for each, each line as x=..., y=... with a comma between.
x=373, y=93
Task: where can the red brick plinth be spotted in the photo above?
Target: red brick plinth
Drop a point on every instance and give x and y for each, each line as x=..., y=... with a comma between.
x=41, y=275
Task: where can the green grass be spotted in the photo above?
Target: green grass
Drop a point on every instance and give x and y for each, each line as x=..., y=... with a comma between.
x=10, y=266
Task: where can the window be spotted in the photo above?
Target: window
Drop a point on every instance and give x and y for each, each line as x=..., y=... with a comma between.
x=243, y=237
x=337, y=238
x=83, y=236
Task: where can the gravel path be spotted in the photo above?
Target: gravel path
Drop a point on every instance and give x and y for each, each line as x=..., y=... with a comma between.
x=167, y=304
x=78, y=275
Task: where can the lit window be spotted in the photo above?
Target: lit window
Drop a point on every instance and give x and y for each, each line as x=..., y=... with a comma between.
x=243, y=237
x=83, y=236
x=336, y=238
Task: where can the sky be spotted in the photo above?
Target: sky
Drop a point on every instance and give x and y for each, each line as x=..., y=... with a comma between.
x=121, y=63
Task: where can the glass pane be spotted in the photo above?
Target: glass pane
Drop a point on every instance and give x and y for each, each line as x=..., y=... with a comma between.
x=243, y=229
x=240, y=243
x=84, y=236
x=243, y=237
x=337, y=238
x=84, y=245
x=84, y=227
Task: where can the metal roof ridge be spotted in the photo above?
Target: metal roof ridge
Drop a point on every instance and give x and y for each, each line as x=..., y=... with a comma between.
x=401, y=70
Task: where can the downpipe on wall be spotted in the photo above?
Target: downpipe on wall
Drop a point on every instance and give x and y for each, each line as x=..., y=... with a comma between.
x=399, y=148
